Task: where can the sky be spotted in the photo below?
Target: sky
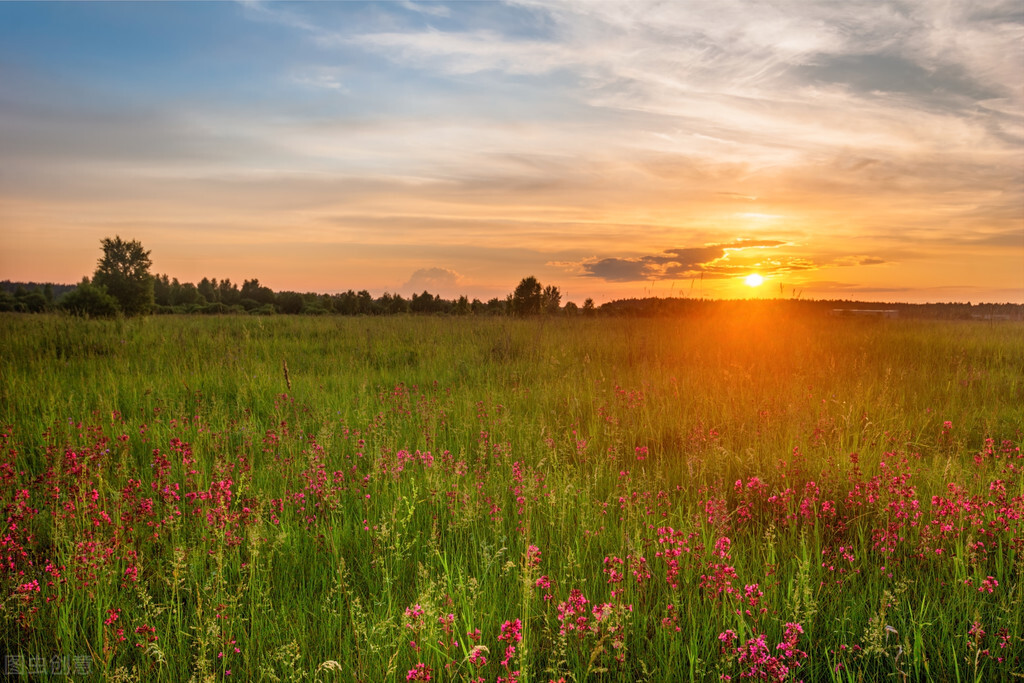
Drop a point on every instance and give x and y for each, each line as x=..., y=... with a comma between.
x=843, y=150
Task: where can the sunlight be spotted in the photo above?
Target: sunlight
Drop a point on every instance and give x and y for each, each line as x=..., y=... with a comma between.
x=754, y=280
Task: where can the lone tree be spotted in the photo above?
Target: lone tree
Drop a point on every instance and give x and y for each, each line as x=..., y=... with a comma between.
x=526, y=299
x=124, y=272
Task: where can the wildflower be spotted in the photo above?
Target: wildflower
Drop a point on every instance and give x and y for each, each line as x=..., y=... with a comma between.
x=476, y=656
x=148, y=632
x=544, y=583
x=614, y=575
x=413, y=614
x=511, y=633
x=420, y=672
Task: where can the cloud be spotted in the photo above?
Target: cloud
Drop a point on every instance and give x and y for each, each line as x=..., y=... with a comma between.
x=858, y=260
x=433, y=9
x=674, y=264
x=468, y=52
x=885, y=74
x=761, y=78
x=432, y=280
x=320, y=78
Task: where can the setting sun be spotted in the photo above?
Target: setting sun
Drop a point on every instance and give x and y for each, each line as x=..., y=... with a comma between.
x=754, y=280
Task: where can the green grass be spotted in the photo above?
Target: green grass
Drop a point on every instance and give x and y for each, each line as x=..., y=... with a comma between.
x=163, y=468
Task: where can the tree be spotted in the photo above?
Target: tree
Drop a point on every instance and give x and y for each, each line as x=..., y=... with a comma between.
x=124, y=273
x=392, y=304
x=496, y=306
x=550, y=299
x=162, y=290
x=253, y=290
x=423, y=303
x=346, y=303
x=188, y=295
x=289, y=302
x=588, y=306
x=208, y=290
x=228, y=292
x=365, y=304
x=526, y=299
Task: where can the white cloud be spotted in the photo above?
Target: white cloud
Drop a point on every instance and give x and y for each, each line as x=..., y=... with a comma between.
x=320, y=78
x=434, y=280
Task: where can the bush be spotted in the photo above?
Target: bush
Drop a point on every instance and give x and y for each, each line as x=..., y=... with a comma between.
x=89, y=300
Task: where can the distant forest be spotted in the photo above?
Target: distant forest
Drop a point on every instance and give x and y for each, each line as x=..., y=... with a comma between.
x=211, y=296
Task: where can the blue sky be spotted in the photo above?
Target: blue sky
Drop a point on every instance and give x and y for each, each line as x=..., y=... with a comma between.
x=864, y=150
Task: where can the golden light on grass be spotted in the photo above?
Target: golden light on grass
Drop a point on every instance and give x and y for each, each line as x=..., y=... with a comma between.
x=754, y=280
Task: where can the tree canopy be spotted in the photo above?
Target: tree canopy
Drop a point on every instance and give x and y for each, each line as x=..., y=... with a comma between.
x=526, y=300
x=123, y=271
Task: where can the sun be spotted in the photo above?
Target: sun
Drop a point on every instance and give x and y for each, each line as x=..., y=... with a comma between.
x=754, y=280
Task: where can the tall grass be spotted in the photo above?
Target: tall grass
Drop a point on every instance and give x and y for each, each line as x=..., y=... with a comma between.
x=745, y=493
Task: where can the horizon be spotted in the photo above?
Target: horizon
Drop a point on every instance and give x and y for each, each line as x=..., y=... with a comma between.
x=796, y=297
x=866, y=152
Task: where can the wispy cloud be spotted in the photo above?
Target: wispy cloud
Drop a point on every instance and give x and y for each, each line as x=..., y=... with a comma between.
x=320, y=77
x=434, y=9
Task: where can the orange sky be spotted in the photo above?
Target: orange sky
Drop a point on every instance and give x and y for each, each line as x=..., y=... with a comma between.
x=858, y=150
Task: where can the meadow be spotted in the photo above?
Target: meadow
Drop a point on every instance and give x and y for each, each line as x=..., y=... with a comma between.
x=748, y=493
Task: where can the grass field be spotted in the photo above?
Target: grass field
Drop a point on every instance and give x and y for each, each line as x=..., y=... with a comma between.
x=747, y=494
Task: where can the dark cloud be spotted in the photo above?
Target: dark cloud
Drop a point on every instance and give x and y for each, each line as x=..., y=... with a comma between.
x=895, y=74
x=673, y=264
x=618, y=270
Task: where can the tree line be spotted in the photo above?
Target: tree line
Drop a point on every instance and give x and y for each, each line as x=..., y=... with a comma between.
x=122, y=284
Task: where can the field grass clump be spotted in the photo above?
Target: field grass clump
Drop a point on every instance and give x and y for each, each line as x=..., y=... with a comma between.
x=766, y=495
